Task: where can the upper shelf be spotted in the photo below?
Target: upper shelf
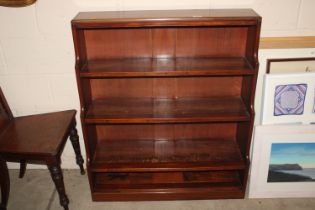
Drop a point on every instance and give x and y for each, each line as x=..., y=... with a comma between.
x=166, y=67
x=181, y=110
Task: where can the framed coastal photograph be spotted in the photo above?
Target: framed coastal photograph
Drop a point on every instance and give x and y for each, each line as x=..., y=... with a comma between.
x=292, y=162
x=283, y=161
x=288, y=99
x=290, y=65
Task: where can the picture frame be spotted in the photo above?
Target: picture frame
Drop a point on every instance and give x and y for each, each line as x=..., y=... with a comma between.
x=265, y=136
x=16, y=3
x=288, y=98
x=290, y=65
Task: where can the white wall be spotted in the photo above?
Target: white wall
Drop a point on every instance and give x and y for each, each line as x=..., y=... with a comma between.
x=37, y=56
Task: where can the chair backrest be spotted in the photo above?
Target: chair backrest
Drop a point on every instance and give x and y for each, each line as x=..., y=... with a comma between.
x=5, y=112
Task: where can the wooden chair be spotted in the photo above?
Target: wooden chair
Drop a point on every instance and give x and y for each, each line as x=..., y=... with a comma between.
x=38, y=139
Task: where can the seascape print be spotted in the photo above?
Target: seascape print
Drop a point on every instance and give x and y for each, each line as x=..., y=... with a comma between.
x=292, y=162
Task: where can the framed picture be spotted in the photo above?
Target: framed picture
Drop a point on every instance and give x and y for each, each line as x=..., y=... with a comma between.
x=283, y=161
x=290, y=65
x=16, y=3
x=289, y=99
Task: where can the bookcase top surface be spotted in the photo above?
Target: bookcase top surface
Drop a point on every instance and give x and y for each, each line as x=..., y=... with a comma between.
x=166, y=15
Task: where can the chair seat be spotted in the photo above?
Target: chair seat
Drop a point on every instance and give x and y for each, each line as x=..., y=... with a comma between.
x=41, y=134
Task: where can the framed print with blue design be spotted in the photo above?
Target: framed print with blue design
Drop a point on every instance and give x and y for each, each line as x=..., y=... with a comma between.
x=289, y=98
x=282, y=162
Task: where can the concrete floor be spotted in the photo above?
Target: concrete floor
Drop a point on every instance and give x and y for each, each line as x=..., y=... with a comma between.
x=36, y=192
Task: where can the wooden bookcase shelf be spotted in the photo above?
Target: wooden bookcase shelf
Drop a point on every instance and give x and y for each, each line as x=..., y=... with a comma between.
x=189, y=185
x=167, y=101
x=150, y=110
x=166, y=67
x=167, y=155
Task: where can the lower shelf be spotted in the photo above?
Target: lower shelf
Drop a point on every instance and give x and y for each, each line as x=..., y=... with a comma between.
x=167, y=155
x=166, y=186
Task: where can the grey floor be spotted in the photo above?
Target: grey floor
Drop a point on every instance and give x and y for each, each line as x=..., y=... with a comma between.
x=36, y=192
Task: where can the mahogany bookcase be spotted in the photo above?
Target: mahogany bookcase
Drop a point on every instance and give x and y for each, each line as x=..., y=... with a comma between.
x=167, y=101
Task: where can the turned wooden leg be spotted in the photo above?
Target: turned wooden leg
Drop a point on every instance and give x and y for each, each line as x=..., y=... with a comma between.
x=22, y=168
x=4, y=184
x=76, y=146
x=56, y=175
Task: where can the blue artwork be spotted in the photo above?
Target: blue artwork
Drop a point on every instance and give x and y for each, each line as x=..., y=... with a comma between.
x=289, y=99
x=292, y=162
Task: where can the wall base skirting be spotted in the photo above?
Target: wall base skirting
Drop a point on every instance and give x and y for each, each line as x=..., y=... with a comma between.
x=287, y=42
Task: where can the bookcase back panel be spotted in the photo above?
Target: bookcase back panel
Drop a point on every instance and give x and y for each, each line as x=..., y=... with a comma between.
x=166, y=42
x=166, y=87
x=211, y=42
x=166, y=131
x=118, y=43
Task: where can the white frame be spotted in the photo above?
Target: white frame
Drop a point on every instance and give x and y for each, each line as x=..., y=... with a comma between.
x=264, y=137
x=270, y=83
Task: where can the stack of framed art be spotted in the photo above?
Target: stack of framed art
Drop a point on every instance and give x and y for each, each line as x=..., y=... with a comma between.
x=283, y=152
x=289, y=96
